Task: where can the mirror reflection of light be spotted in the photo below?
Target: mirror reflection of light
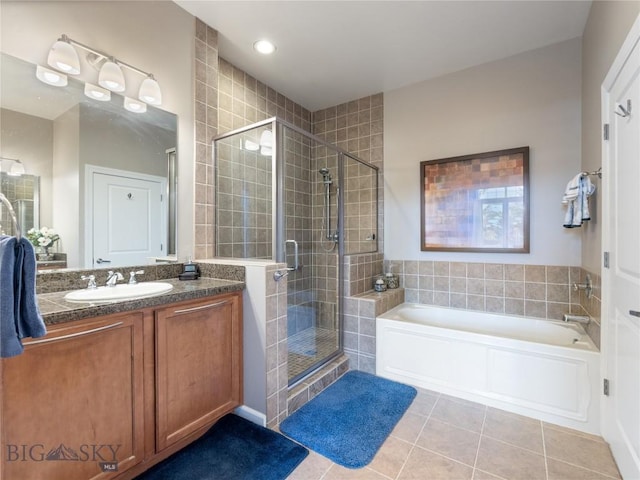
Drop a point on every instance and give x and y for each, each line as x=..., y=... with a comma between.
x=265, y=151
x=251, y=146
x=50, y=77
x=97, y=93
x=134, y=105
x=266, y=139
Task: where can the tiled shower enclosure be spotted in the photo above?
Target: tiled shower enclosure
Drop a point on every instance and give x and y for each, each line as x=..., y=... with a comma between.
x=286, y=195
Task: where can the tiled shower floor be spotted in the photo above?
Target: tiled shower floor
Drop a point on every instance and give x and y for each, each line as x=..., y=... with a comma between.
x=441, y=437
x=309, y=346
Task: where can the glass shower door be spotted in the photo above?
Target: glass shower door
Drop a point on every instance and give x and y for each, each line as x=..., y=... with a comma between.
x=310, y=179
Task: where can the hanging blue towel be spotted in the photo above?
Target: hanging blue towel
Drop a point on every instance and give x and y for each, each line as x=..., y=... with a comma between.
x=19, y=313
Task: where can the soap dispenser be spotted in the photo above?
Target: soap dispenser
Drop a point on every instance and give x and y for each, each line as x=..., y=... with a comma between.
x=190, y=271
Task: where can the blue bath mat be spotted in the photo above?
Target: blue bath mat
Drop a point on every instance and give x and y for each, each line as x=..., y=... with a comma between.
x=350, y=420
x=233, y=449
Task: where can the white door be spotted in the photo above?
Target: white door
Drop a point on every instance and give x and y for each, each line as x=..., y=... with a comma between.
x=621, y=238
x=128, y=219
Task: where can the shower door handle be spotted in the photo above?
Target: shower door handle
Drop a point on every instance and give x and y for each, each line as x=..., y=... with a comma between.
x=296, y=264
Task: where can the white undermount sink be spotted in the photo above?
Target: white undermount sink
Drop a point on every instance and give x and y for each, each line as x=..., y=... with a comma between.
x=118, y=292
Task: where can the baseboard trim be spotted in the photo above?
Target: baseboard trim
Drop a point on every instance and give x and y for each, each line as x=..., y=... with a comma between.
x=252, y=415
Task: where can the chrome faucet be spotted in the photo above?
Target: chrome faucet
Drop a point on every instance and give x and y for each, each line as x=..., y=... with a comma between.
x=132, y=276
x=113, y=277
x=584, y=319
x=91, y=279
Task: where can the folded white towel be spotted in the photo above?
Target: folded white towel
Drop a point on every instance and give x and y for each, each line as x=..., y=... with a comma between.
x=576, y=197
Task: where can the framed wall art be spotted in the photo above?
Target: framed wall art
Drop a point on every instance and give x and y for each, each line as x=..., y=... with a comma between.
x=476, y=203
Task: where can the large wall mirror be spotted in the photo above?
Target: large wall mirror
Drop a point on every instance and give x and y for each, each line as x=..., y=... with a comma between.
x=103, y=177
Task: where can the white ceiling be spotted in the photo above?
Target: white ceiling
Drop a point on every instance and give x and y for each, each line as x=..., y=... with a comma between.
x=330, y=52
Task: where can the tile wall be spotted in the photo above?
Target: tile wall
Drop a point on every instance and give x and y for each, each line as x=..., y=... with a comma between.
x=592, y=306
x=357, y=127
x=20, y=192
x=243, y=195
x=206, y=122
x=540, y=291
x=276, y=347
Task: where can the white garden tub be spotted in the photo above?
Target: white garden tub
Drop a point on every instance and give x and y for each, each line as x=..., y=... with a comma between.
x=539, y=368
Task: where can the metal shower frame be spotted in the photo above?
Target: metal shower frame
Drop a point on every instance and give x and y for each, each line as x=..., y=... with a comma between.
x=278, y=215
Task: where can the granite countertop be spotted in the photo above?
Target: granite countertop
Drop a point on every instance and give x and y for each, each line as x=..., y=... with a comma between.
x=55, y=309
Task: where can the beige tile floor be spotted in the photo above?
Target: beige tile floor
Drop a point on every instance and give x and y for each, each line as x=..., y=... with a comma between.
x=441, y=437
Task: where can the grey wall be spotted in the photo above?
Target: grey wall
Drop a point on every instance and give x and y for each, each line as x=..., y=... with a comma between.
x=607, y=27
x=528, y=99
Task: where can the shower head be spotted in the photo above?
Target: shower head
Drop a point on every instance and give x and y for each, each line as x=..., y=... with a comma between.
x=326, y=176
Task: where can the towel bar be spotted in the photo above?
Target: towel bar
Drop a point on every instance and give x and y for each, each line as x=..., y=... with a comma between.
x=597, y=172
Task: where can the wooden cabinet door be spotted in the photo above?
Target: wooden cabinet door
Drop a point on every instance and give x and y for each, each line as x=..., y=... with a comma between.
x=72, y=403
x=198, y=365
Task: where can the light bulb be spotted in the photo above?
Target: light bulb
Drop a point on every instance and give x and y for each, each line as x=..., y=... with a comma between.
x=50, y=77
x=150, y=91
x=97, y=93
x=264, y=47
x=64, y=57
x=111, y=76
x=134, y=105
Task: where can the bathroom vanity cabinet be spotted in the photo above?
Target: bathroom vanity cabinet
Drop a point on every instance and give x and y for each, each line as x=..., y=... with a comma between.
x=197, y=366
x=110, y=396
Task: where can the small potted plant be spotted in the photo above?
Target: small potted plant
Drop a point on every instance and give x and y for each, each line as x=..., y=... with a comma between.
x=44, y=238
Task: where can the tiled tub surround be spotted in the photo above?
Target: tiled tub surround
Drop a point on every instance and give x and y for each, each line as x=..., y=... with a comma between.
x=592, y=306
x=360, y=312
x=541, y=291
x=359, y=271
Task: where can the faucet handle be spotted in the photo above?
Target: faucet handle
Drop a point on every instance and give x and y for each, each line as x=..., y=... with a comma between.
x=91, y=279
x=132, y=276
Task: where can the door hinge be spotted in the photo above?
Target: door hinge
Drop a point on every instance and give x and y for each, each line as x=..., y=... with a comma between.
x=605, y=386
x=606, y=131
x=605, y=259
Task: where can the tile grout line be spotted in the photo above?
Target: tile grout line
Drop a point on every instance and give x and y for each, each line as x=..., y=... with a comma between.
x=544, y=452
x=413, y=446
x=475, y=461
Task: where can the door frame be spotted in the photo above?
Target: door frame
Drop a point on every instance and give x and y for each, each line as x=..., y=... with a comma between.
x=89, y=171
x=632, y=41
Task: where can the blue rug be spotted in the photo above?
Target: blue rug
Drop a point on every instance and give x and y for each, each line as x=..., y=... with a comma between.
x=350, y=420
x=233, y=449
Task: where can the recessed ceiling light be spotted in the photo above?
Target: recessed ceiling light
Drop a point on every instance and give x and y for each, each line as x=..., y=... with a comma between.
x=264, y=46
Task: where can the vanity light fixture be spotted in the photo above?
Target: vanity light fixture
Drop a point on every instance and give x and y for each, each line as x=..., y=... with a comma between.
x=264, y=47
x=134, y=106
x=150, y=91
x=64, y=58
x=51, y=77
x=97, y=93
x=17, y=167
x=111, y=76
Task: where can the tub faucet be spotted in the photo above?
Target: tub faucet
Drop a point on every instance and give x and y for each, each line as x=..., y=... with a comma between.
x=568, y=317
x=113, y=277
